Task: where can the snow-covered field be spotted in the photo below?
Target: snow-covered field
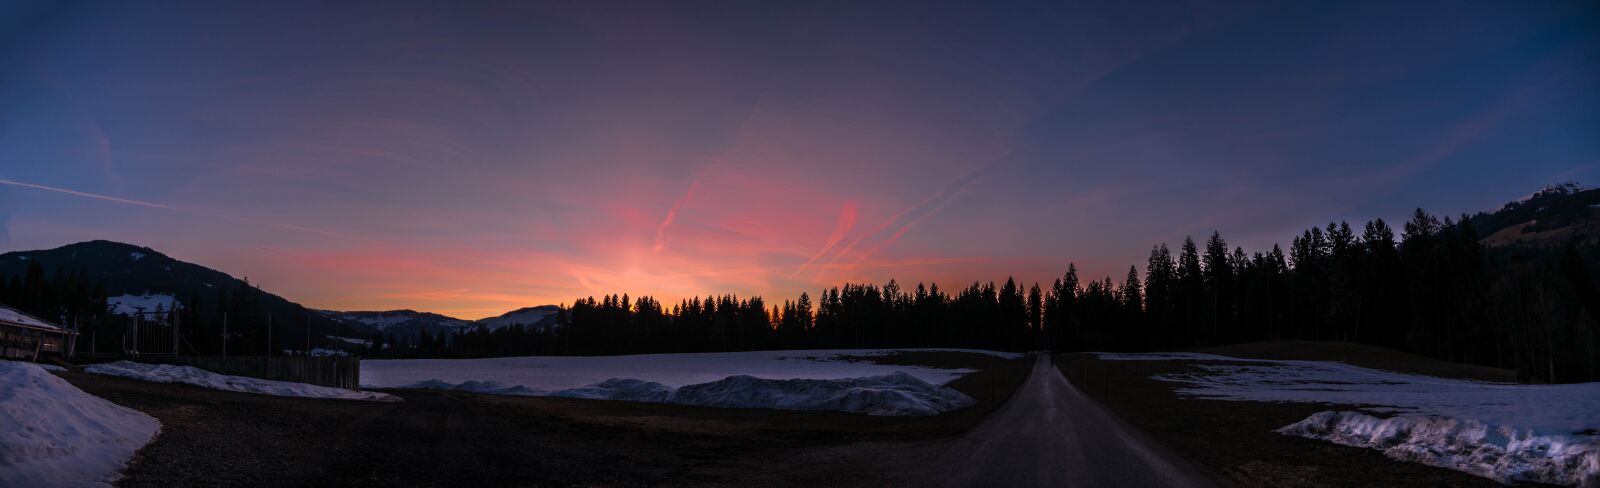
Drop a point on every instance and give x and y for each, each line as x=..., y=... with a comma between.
x=167, y=373
x=1506, y=432
x=805, y=380
x=53, y=434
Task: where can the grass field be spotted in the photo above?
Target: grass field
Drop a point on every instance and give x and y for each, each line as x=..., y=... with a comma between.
x=433, y=438
x=1234, y=443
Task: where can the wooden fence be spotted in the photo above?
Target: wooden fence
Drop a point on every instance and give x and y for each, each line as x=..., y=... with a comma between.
x=337, y=372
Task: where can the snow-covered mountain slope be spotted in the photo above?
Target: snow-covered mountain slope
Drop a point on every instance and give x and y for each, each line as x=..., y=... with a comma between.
x=408, y=323
x=399, y=323
x=129, y=304
x=533, y=317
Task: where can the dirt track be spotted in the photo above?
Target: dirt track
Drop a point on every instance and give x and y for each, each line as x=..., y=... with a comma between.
x=1050, y=434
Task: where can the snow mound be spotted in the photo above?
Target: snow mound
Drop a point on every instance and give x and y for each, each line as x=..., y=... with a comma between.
x=895, y=394
x=621, y=389
x=1499, y=453
x=167, y=373
x=53, y=434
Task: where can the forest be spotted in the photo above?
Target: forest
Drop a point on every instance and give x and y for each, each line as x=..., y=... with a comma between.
x=1433, y=289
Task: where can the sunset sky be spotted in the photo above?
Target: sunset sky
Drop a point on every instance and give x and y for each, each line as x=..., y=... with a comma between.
x=469, y=158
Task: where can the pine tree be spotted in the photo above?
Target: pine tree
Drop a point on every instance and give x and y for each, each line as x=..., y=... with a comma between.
x=1191, y=285
x=1035, y=316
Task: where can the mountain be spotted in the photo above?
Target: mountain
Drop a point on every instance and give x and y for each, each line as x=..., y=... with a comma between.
x=407, y=323
x=532, y=317
x=1551, y=217
x=140, y=278
x=399, y=323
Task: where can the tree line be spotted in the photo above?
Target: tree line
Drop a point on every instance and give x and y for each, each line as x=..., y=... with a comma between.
x=1433, y=289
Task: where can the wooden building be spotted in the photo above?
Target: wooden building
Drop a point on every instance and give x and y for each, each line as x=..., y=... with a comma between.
x=25, y=337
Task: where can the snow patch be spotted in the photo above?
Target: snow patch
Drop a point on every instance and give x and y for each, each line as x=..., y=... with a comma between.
x=352, y=341
x=1501, y=431
x=1162, y=356
x=129, y=304
x=136, y=255
x=894, y=394
x=554, y=373
x=53, y=434
x=167, y=373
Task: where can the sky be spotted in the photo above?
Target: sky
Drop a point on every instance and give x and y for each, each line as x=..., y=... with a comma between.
x=469, y=158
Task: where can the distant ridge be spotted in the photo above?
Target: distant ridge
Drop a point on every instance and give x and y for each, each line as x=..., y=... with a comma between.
x=132, y=272
x=1552, y=216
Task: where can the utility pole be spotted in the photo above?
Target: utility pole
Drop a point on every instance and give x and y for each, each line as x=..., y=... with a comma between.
x=269, y=334
x=308, y=334
x=224, y=335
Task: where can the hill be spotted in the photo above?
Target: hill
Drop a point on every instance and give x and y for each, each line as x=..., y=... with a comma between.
x=399, y=323
x=135, y=278
x=1551, y=217
x=532, y=317
x=140, y=278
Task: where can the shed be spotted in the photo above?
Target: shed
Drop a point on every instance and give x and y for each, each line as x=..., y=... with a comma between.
x=26, y=337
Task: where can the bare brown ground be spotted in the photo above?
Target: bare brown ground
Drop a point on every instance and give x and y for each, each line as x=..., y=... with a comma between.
x=215, y=438
x=1234, y=442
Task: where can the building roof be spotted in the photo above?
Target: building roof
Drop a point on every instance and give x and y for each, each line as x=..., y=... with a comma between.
x=10, y=316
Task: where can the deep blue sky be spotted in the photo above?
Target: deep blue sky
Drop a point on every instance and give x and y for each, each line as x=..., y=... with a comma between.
x=468, y=157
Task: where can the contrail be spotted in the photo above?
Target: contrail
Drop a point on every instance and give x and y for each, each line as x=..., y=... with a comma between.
x=138, y=203
x=88, y=195
x=917, y=213
x=672, y=213
x=847, y=220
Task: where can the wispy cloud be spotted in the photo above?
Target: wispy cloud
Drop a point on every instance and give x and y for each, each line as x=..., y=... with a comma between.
x=203, y=213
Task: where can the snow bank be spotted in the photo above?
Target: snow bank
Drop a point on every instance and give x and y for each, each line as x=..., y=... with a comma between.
x=1507, y=432
x=167, y=373
x=1501, y=453
x=53, y=434
x=553, y=373
x=892, y=394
